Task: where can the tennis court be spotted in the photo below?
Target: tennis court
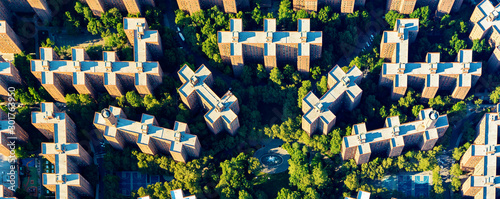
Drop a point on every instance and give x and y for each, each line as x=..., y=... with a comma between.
x=133, y=180
x=411, y=185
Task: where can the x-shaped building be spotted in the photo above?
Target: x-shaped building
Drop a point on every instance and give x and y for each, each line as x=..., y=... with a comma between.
x=151, y=139
x=222, y=112
x=432, y=74
x=65, y=153
x=482, y=158
x=343, y=89
x=109, y=75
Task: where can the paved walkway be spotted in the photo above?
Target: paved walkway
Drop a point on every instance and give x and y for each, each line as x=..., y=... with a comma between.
x=273, y=147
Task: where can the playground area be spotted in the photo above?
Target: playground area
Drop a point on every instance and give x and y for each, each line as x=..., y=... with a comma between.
x=410, y=184
x=133, y=180
x=30, y=180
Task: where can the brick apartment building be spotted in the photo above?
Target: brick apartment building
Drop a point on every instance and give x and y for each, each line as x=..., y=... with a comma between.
x=228, y=6
x=459, y=76
x=442, y=7
x=110, y=75
x=196, y=93
x=149, y=137
x=344, y=6
x=17, y=134
x=9, y=77
x=65, y=153
x=394, y=137
x=481, y=160
x=6, y=193
x=486, y=22
x=237, y=46
x=98, y=7
x=9, y=41
x=361, y=195
x=343, y=90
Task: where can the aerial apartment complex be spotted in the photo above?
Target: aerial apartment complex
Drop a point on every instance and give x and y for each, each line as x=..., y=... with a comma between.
x=343, y=90
x=442, y=7
x=344, y=6
x=361, y=195
x=111, y=75
x=149, y=137
x=236, y=46
x=10, y=133
x=65, y=153
x=9, y=77
x=482, y=159
x=98, y=7
x=432, y=74
x=227, y=6
x=195, y=92
x=392, y=139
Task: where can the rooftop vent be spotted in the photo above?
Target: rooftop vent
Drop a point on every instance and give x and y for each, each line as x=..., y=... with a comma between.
x=106, y=113
x=401, y=68
x=220, y=106
x=139, y=67
x=48, y=115
x=194, y=80
x=108, y=64
x=77, y=66
x=303, y=36
x=395, y=131
x=319, y=107
x=61, y=179
x=144, y=128
x=60, y=148
x=491, y=149
x=177, y=136
x=45, y=65
x=269, y=36
x=346, y=80
x=236, y=35
x=362, y=138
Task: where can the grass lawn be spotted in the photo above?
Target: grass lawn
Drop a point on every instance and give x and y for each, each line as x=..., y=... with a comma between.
x=274, y=185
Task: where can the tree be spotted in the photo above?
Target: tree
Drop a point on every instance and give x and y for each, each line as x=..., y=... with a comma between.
x=336, y=141
x=322, y=85
x=303, y=90
x=456, y=184
x=437, y=181
x=422, y=14
x=392, y=16
x=352, y=181
x=416, y=109
x=316, y=72
x=134, y=99
x=285, y=193
x=495, y=95
x=285, y=13
x=237, y=175
x=276, y=76
x=261, y=72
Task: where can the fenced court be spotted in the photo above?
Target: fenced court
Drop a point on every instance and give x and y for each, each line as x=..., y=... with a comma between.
x=133, y=180
x=410, y=184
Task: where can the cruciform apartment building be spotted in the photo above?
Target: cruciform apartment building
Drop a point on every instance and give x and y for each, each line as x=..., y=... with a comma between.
x=195, y=91
x=432, y=74
x=482, y=159
x=487, y=25
x=149, y=137
x=343, y=89
x=111, y=74
x=391, y=139
x=65, y=153
x=98, y=7
x=237, y=46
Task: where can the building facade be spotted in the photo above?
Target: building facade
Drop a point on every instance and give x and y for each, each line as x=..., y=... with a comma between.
x=270, y=46
x=440, y=7
x=98, y=7
x=110, y=75
x=196, y=93
x=67, y=155
x=149, y=137
x=394, y=137
x=481, y=160
x=9, y=77
x=343, y=90
x=9, y=41
x=344, y=6
x=227, y=6
x=6, y=193
x=432, y=75
x=40, y=7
